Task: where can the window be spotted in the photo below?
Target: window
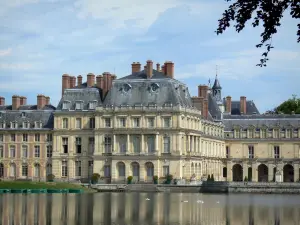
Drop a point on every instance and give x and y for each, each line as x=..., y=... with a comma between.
x=166, y=144
x=37, y=151
x=78, y=145
x=122, y=144
x=24, y=170
x=25, y=137
x=78, y=105
x=92, y=123
x=2, y=125
x=276, y=152
x=23, y=114
x=251, y=151
x=64, y=169
x=49, y=137
x=26, y=125
x=1, y=152
x=65, y=123
x=13, y=137
x=48, y=169
x=78, y=168
x=136, y=122
x=166, y=171
x=38, y=124
x=136, y=144
x=107, y=122
x=150, y=143
x=91, y=145
x=1, y=137
x=227, y=152
x=151, y=122
x=65, y=145
x=49, y=151
x=37, y=137
x=37, y=170
x=12, y=151
x=65, y=105
x=24, y=151
x=167, y=122
x=122, y=122
x=121, y=169
x=107, y=144
x=92, y=105
x=78, y=123
x=264, y=133
x=14, y=125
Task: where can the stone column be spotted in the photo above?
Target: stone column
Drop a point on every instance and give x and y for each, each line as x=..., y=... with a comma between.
x=188, y=143
x=270, y=171
x=156, y=143
x=128, y=144
x=254, y=172
x=229, y=171
x=179, y=146
x=114, y=143
x=114, y=174
x=296, y=172
x=142, y=143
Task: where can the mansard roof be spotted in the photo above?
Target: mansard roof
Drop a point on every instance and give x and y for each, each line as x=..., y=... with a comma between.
x=235, y=107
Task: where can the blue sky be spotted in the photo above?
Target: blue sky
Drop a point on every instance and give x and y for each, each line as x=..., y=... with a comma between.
x=42, y=39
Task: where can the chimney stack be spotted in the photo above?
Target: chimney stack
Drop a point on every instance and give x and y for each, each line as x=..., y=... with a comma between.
x=169, y=69
x=149, y=68
x=202, y=91
x=2, y=101
x=158, y=67
x=72, y=82
x=243, y=105
x=99, y=81
x=41, y=101
x=23, y=100
x=228, y=104
x=79, y=80
x=163, y=69
x=65, y=82
x=135, y=67
x=15, y=102
x=90, y=80
x=47, y=100
x=107, y=83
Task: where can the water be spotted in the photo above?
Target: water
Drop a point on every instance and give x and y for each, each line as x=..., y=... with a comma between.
x=162, y=208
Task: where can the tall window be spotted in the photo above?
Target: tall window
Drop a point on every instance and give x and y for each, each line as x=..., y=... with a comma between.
x=1, y=152
x=167, y=122
x=1, y=137
x=136, y=144
x=37, y=170
x=251, y=151
x=12, y=151
x=121, y=169
x=150, y=122
x=276, y=152
x=78, y=105
x=123, y=122
x=166, y=171
x=166, y=144
x=107, y=144
x=107, y=122
x=37, y=151
x=24, y=170
x=37, y=137
x=78, y=145
x=24, y=151
x=64, y=169
x=92, y=123
x=91, y=145
x=78, y=168
x=92, y=105
x=65, y=123
x=48, y=169
x=49, y=151
x=151, y=144
x=78, y=123
x=122, y=144
x=14, y=125
x=65, y=145
x=227, y=152
x=26, y=125
x=13, y=137
x=25, y=137
x=136, y=122
x=49, y=137
x=2, y=125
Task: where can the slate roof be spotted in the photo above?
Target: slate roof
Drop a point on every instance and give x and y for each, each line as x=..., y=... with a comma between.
x=213, y=108
x=216, y=84
x=136, y=89
x=27, y=107
x=80, y=94
x=235, y=107
x=31, y=116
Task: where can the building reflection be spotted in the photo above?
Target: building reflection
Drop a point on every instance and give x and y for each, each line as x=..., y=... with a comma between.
x=134, y=208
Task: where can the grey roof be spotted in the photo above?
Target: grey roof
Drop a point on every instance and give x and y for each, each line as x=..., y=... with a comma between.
x=31, y=116
x=213, y=108
x=216, y=84
x=235, y=107
x=259, y=121
x=27, y=107
x=136, y=89
x=80, y=94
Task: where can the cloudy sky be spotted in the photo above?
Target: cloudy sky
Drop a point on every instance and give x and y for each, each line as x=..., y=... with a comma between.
x=42, y=39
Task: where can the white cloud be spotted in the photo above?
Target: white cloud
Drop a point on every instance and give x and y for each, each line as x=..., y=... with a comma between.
x=15, y=66
x=5, y=52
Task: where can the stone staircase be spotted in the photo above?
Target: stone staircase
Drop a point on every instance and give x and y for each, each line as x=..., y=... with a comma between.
x=141, y=187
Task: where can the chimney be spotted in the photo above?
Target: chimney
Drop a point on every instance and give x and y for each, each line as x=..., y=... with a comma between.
x=107, y=83
x=198, y=103
x=23, y=100
x=15, y=102
x=169, y=68
x=149, y=68
x=79, y=80
x=113, y=77
x=135, y=67
x=41, y=101
x=65, y=82
x=145, y=67
x=163, y=69
x=202, y=91
x=90, y=80
x=228, y=104
x=99, y=81
x=47, y=100
x=2, y=101
x=243, y=105
x=158, y=67
x=205, y=109
x=72, y=82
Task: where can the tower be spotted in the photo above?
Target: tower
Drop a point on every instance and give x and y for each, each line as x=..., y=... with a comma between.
x=216, y=89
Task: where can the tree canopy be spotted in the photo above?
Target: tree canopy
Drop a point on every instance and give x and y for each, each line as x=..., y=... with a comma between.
x=289, y=106
x=267, y=12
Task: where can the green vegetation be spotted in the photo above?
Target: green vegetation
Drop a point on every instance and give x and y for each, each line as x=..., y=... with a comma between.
x=290, y=106
x=129, y=179
x=95, y=178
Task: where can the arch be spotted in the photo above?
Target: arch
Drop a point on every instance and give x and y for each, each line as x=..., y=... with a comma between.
x=24, y=170
x=263, y=172
x=237, y=172
x=49, y=169
x=149, y=170
x=37, y=170
x=121, y=170
x=12, y=170
x=288, y=173
x=135, y=168
x=1, y=170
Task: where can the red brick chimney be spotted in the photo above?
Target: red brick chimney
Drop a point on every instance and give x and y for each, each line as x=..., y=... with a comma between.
x=79, y=80
x=202, y=91
x=99, y=81
x=23, y=100
x=107, y=82
x=90, y=80
x=163, y=69
x=65, y=82
x=72, y=82
x=47, y=100
x=2, y=101
x=149, y=69
x=158, y=67
x=41, y=101
x=243, y=105
x=169, y=68
x=228, y=104
x=135, y=67
x=15, y=102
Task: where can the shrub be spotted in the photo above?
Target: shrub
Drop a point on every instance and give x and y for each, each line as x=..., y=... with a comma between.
x=50, y=177
x=212, y=178
x=155, y=177
x=208, y=178
x=95, y=177
x=129, y=179
x=169, y=177
x=246, y=179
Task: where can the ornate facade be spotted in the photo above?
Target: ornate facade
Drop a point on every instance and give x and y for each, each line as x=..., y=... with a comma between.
x=142, y=125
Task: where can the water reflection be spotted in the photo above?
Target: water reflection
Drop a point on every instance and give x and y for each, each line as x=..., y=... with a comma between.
x=133, y=208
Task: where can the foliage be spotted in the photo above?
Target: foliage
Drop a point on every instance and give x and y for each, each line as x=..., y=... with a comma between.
x=129, y=178
x=289, y=106
x=212, y=178
x=155, y=177
x=267, y=12
x=50, y=177
x=246, y=179
x=208, y=178
x=95, y=177
x=169, y=177
x=38, y=185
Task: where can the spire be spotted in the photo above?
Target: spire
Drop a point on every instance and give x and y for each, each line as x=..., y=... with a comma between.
x=216, y=83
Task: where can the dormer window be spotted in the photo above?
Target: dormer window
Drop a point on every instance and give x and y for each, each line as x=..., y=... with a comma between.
x=92, y=105
x=14, y=125
x=38, y=124
x=66, y=105
x=23, y=114
x=26, y=124
x=78, y=105
x=2, y=125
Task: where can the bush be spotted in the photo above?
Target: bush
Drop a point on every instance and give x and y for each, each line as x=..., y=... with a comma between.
x=169, y=177
x=129, y=179
x=212, y=178
x=246, y=179
x=50, y=177
x=208, y=178
x=95, y=178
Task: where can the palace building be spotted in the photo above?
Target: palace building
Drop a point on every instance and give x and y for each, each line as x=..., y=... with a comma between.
x=143, y=125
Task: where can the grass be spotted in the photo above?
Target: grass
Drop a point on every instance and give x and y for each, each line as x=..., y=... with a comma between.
x=41, y=185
